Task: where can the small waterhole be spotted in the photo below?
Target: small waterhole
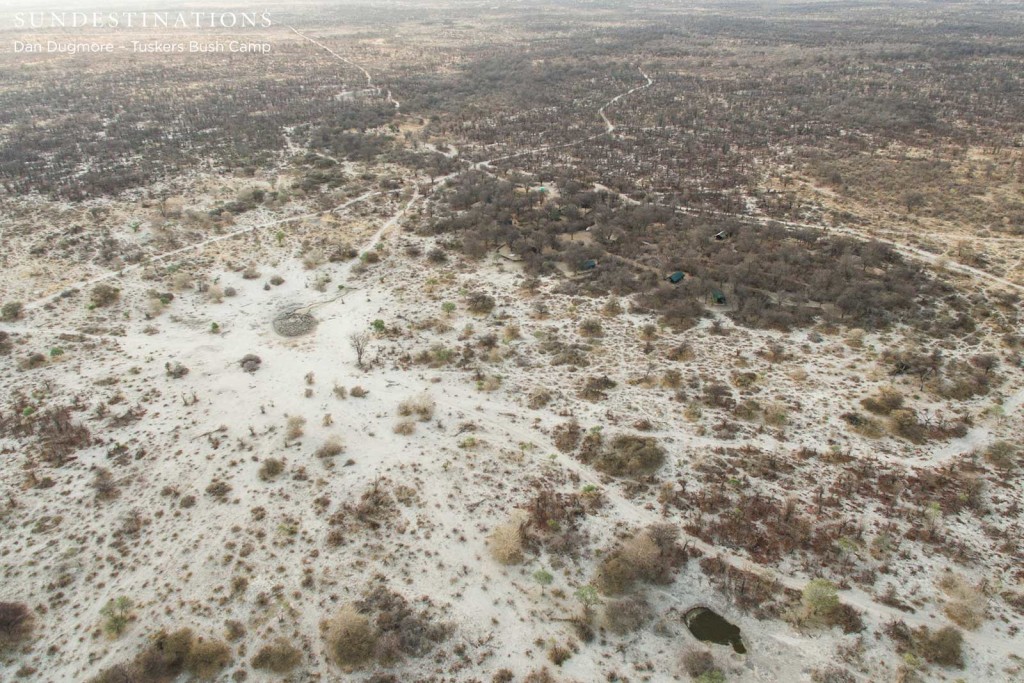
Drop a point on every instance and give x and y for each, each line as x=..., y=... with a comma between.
x=709, y=627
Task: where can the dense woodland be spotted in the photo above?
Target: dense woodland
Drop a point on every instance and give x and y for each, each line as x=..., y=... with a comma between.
x=736, y=101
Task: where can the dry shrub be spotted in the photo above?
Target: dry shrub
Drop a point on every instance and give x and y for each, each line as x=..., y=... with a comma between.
x=591, y=327
x=218, y=489
x=559, y=654
x=905, y=424
x=271, y=469
x=539, y=398
x=480, y=303
x=162, y=660
x=832, y=674
x=596, y=388
x=966, y=604
x=59, y=437
x=401, y=632
x=884, y=402
x=421, y=406
x=539, y=676
x=506, y=541
x=330, y=448
x=104, y=295
x=697, y=661
x=627, y=615
x=119, y=673
x=358, y=392
x=351, y=639
x=294, y=427
x=279, y=656
x=943, y=647
x=104, y=485
x=567, y=436
x=1002, y=455
x=650, y=555
x=15, y=623
x=207, y=658
x=404, y=427
x=626, y=456
x=11, y=311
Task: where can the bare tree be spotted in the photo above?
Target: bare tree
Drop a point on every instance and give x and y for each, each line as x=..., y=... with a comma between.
x=359, y=341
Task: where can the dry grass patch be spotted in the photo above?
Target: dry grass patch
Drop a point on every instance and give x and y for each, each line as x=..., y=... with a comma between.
x=965, y=604
x=295, y=427
x=331, y=447
x=506, y=541
x=351, y=639
x=404, y=427
x=422, y=407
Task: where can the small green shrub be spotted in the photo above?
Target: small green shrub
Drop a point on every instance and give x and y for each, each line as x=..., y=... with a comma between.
x=116, y=615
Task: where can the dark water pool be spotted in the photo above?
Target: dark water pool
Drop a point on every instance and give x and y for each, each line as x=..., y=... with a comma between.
x=710, y=627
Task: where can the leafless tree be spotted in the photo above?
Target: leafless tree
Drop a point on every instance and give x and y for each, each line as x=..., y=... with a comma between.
x=359, y=341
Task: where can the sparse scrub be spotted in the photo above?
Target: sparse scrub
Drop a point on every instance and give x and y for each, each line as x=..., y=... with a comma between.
x=627, y=615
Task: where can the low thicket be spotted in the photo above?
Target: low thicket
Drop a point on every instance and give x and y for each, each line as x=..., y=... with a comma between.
x=16, y=624
x=651, y=555
x=169, y=655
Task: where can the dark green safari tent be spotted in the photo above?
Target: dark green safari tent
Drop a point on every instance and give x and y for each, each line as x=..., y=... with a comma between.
x=589, y=264
x=718, y=296
x=676, y=277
